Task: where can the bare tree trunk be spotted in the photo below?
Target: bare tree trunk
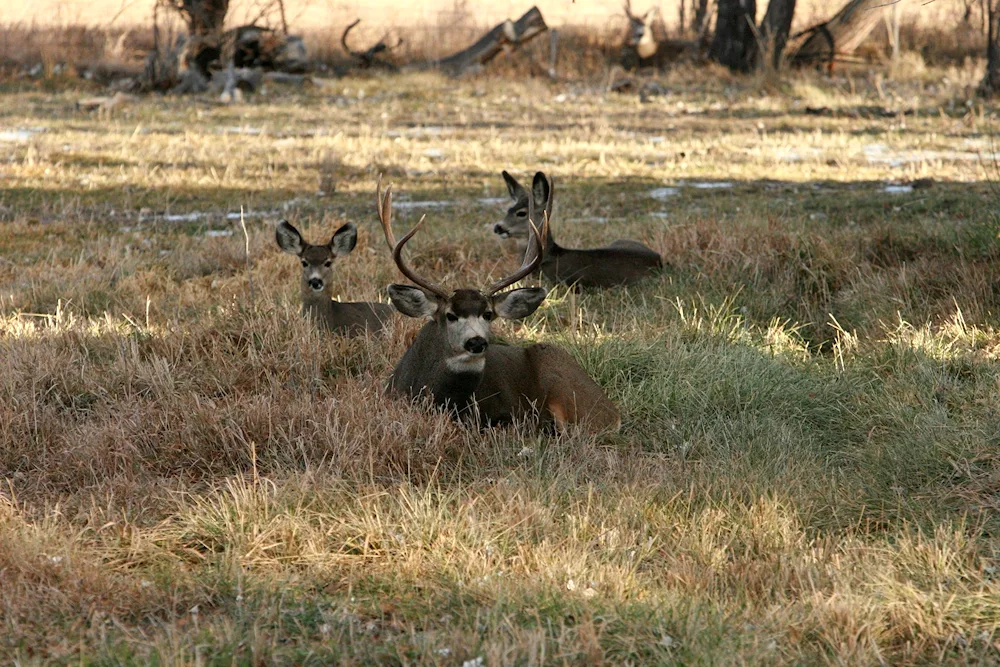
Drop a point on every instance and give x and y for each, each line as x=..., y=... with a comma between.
x=990, y=84
x=700, y=17
x=774, y=30
x=734, y=43
x=842, y=34
x=204, y=17
x=205, y=20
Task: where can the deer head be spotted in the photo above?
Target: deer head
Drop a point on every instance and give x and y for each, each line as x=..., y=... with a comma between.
x=317, y=260
x=640, y=31
x=517, y=224
x=462, y=318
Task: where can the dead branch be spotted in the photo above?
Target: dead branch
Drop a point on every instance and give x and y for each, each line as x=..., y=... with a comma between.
x=367, y=58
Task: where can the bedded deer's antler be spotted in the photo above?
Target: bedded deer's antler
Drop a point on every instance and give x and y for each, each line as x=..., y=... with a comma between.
x=383, y=204
x=531, y=259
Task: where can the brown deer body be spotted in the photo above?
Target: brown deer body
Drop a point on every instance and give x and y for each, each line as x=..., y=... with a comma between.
x=351, y=318
x=620, y=263
x=452, y=360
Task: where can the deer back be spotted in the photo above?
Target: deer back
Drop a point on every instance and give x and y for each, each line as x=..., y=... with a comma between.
x=545, y=381
x=621, y=263
x=352, y=317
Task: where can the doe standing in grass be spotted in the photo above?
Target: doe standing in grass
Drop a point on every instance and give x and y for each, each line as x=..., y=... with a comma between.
x=351, y=318
x=452, y=358
x=621, y=263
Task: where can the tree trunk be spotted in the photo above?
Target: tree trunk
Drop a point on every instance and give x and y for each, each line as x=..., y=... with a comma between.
x=774, y=31
x=508, y=33
x=734, y=43
x=700, y=22
x=205, y=20
x=990, y=85
x=842, y=34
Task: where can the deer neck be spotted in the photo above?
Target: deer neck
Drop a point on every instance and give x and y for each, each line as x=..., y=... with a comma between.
x=451, y=380
x=647, y=43
x=551, y=247
x=317, y=303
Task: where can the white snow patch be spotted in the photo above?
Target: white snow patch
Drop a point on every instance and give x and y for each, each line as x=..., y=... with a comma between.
x=407, y=205
x=712, y=185
x=20, y=134
x=661, y=194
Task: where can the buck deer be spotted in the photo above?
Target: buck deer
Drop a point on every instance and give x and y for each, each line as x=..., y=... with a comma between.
x=620, y=263
x=317, y=291
x=452, y=359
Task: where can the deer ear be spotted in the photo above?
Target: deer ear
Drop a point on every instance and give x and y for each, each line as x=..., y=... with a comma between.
x=411, y=301
x=344, y=240
x=515, y=189
x=541, y=190
x=288, y=238
x=649, y=16
x=519, y=303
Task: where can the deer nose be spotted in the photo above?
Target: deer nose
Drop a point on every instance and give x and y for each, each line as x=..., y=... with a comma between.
x=316, y=283
x=476, y=345
x=499, y=229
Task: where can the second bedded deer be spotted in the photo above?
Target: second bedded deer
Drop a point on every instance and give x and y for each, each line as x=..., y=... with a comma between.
x=620, y=263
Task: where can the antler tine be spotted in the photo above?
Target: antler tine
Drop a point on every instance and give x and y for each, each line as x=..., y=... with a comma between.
x=383, y=204
x=385, y=214
x=528, y=266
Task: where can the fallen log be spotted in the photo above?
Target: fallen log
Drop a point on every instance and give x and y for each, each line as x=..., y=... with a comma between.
x=841, y=35
x=506, y=35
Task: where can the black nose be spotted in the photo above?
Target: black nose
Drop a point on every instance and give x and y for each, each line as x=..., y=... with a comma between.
x=476, y=345
x=499, y=229
x=316, y=283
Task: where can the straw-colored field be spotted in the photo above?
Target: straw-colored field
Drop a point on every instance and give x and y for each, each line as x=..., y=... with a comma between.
x=808, y=467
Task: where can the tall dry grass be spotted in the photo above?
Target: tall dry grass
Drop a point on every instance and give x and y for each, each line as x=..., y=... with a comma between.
x=807, y=468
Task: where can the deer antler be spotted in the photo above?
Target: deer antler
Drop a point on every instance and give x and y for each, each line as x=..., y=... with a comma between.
x=531, y=259
x=383, y=204
x=627, y=6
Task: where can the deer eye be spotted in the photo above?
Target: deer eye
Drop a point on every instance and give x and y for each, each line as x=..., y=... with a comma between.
x=304, y=263
x=489, y=315
x=328, y=263
x=452, y=317
x=522, y=214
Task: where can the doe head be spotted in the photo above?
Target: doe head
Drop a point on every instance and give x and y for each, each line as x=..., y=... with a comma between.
x=516, y=224
x=640, y=32
x=465, y=315
x=317, y=260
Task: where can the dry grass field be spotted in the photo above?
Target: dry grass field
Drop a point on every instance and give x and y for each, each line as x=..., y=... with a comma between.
x=808, y=468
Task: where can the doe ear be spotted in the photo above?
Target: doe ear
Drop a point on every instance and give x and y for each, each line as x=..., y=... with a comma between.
x=515, y=189
x=519, y=303
x=411, y=301
x=541, y=190
x=288, y=238
x=344, y=239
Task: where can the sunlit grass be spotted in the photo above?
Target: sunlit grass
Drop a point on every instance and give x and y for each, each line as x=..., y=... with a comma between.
x=806, y=471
